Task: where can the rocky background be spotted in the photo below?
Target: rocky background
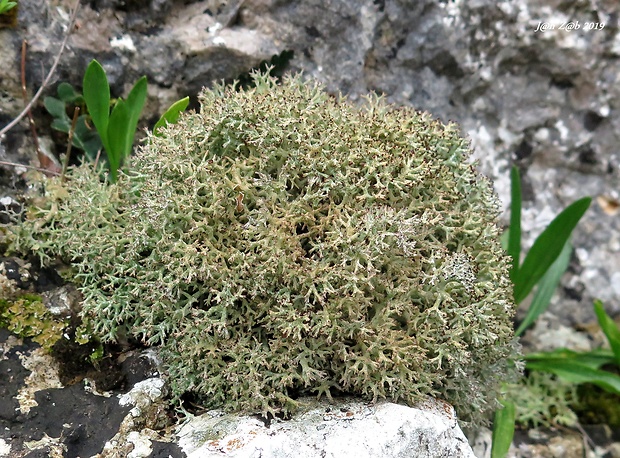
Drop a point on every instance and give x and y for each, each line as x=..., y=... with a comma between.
x=532, y=83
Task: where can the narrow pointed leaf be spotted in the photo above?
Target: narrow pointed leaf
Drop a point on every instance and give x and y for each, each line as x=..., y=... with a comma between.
x=593, y=359
x=503, y=429
x=117, y=135
x=575, y=372
x=610, y=328
x=97, y=97
x=546, y=287
x=547, y=248
x=171, y=115
x=514, y=237
x=134, y=104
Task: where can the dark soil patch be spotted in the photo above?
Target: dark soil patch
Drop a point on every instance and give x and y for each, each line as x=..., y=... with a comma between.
x=83, y=421
x=12, y=376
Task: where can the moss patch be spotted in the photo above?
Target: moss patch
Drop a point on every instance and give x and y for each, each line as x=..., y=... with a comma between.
x=27, y=316
x=597, y=406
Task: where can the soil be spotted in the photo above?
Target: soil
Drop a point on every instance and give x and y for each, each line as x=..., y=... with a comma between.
x=79, y=418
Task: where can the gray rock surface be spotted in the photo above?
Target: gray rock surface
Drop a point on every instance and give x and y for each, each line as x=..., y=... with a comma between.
x=44, y=415
x=343, y=428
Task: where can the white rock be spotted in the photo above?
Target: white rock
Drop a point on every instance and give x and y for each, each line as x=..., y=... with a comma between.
x=6, y=201
x=142, y=395
x=123, y=42
x=5, y=449
x=141, y=445
x=344, y=428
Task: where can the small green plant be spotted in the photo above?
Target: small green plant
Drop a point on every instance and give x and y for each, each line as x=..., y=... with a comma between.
x=585, y=367
x=548, y=257
x=27, y=316
x=6, y=5
x=598, y=367
x=542, y=399
x=85, y=137
x=114, y=132
x=117, y=128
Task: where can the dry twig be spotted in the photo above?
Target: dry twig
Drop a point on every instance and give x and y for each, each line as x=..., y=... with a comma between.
x=33, y=127
x=10, y=125
x=39, y=169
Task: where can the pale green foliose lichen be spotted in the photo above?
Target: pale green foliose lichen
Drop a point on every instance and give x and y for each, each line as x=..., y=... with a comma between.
x=283, y=241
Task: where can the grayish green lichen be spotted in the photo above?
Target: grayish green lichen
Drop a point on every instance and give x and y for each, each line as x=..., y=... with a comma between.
x=283, y=241
x=543, y=399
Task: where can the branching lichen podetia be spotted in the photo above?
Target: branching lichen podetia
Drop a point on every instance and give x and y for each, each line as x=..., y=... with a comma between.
x=283, y=241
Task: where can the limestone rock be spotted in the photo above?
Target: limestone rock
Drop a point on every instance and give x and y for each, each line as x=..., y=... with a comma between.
x=343, y=428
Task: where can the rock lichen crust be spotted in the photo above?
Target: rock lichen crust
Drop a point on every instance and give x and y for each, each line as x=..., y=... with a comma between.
x=283, y=241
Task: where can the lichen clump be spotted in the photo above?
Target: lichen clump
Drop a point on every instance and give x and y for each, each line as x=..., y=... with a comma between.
x=283, y=241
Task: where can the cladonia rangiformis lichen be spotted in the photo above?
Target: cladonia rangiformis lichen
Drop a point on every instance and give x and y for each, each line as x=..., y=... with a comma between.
x=283, y=241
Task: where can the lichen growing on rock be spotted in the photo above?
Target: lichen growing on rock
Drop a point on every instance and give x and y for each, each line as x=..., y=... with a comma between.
x=283, y=241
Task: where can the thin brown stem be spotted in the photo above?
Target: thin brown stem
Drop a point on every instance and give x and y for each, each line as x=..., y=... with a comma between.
x=97, y=159
x=10, y=125
x=33, y=127
x=39, y=169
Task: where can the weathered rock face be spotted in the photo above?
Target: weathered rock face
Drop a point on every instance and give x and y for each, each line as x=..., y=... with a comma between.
x=324, y=429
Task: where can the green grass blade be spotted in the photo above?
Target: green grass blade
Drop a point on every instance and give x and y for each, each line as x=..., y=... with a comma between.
x=546, y=287
x=514, y=237
x=171, y=115
x=119, y=122
x=547, y=248
x=134, y=104
x=574, y=372
x=503, y=429
x=610, y=329
x=97, y=97
x=593, y=359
